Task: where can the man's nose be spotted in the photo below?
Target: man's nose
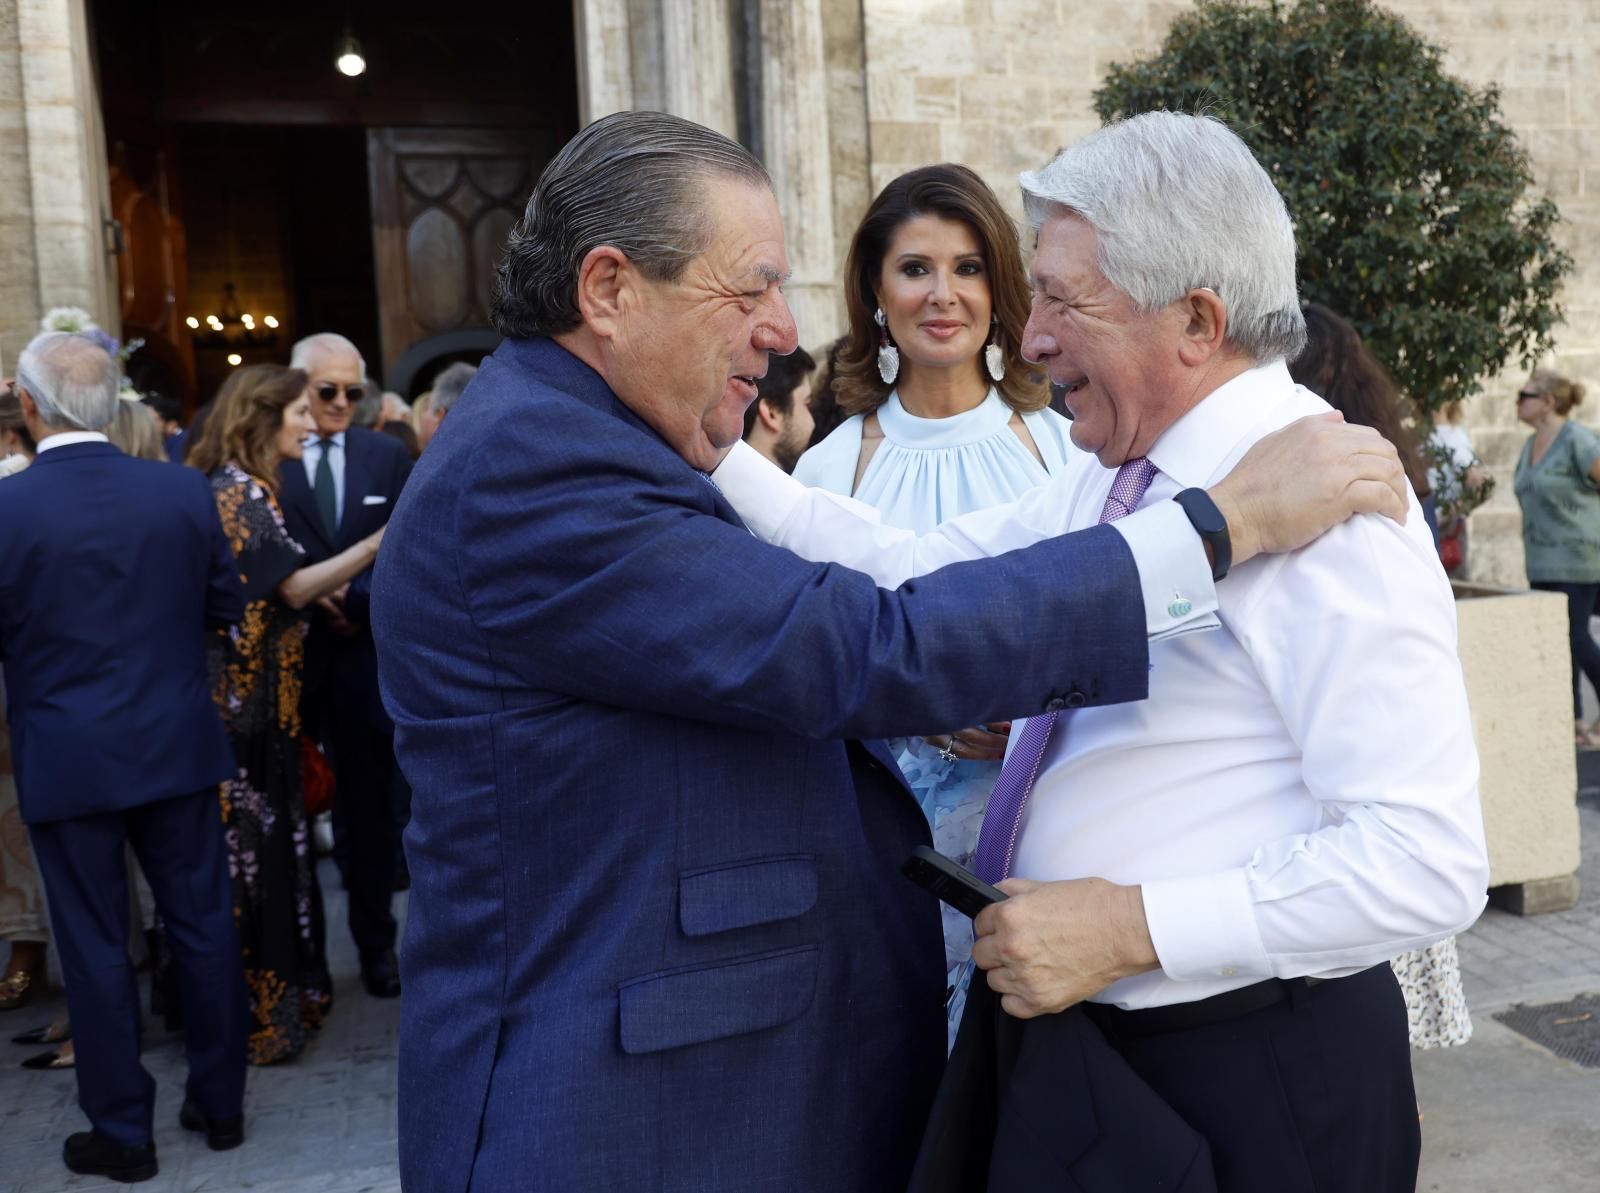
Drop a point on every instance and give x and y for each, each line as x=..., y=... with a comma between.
x=1037, y=345
x=779, y=334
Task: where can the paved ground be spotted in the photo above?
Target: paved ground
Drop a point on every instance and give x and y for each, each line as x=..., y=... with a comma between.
x=324, y=1123
x=1500, y=1112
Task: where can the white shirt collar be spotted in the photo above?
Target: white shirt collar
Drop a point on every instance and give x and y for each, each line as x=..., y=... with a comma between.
x=337, y=438
x=68, y=438
x=1192, y=449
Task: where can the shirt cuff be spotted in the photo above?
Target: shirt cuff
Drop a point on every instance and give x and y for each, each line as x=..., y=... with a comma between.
x=763, y=494
x=1204, y=928
x=1179, y=594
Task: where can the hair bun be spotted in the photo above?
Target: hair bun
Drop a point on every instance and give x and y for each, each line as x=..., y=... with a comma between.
x=1577, y=394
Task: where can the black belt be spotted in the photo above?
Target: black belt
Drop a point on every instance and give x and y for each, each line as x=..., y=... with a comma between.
x=1180, y=1016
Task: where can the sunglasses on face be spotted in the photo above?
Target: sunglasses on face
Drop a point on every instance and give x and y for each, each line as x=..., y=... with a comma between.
x=1527, y=394
x=327, y=391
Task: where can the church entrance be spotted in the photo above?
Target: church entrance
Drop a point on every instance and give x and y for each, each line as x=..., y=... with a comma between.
x=321, y=167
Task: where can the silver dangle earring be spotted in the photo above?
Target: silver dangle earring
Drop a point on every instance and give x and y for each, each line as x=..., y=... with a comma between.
x=888, y=354
x=993, y=358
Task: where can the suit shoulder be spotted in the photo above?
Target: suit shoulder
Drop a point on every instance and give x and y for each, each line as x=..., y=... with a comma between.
x=376, y=443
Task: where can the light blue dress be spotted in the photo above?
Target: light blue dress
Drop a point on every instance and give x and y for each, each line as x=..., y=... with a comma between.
x=926, y=471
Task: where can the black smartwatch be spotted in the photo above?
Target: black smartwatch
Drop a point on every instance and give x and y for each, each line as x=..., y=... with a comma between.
x=1211, y=526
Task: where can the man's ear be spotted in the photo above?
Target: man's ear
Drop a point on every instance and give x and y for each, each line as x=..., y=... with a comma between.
x=1205, y=328
x=604, y=278
x=769, y=416
x=30, y=408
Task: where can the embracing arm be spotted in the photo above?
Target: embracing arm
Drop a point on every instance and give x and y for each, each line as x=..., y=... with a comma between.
x=622, y=586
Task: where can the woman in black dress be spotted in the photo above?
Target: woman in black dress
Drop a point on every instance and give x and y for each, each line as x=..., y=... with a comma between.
x=262, y=417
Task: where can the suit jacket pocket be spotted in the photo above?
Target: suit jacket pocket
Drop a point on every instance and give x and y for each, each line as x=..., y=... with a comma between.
x=712, y=1002
x=743, y=894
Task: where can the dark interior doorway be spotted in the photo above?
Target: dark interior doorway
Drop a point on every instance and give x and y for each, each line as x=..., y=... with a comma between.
x=240, y=155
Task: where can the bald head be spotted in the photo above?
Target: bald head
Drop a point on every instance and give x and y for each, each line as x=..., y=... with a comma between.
x=71, y=380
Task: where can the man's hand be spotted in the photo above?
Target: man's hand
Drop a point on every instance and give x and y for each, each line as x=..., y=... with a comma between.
x=1306, y=479
x=333, y=606
x=1053, y=944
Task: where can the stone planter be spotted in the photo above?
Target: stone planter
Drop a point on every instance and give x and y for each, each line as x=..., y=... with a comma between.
x=1513, y=647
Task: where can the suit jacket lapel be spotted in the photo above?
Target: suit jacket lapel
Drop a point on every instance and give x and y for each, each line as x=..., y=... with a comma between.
x=356, y=486
x=297, y=493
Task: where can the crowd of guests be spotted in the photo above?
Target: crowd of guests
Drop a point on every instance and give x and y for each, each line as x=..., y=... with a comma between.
x=276, y=560
x=927, y=409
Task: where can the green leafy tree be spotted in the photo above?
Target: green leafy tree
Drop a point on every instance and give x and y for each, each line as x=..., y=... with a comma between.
x=1411, y=199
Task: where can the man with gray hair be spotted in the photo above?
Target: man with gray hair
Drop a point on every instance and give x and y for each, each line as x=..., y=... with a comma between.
x=341, y=491
x=113, y=573
x=1215, y=878
x=658, y=937
x=447, y=387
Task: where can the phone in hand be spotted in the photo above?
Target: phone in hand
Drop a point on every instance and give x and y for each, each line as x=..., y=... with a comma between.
x=954, y=884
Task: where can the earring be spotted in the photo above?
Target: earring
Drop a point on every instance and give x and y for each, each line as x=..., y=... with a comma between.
x=888, y=354
x=993, y=358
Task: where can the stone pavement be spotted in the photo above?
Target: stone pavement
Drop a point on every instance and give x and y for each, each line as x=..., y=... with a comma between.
x=1501, y=1112
x=324, y=1122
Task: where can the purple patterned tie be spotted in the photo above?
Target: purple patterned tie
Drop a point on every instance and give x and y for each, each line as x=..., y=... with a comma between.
x=1002, y=820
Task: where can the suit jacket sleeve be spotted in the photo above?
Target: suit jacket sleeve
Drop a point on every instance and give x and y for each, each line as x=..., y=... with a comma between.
x=625, y=580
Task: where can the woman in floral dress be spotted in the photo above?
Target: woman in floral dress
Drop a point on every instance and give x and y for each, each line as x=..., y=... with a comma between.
x=263, y=416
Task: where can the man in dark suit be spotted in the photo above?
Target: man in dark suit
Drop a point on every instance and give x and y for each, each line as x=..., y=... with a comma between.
x=658, y=936
x=112, y=570
x=342, y=491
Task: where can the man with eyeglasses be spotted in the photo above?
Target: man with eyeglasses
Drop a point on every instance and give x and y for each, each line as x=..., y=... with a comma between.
x=342, y=491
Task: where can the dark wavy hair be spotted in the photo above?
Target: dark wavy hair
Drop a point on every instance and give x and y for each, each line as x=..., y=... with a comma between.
x=633, y=180
x=1337, y=366
x=953, y=193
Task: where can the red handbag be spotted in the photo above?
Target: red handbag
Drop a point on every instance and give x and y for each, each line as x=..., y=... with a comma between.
x=317, y=782
x=1450, y=553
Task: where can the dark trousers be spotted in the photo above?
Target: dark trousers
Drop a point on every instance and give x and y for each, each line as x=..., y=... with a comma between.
x=180, y=847
x=1585, y=651
x=1311, y=1095
x=365, y=820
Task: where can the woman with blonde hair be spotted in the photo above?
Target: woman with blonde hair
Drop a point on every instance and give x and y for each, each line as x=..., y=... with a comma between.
x=1557, y=483
x=941, y=416
x=133, y=429
x=262, y=417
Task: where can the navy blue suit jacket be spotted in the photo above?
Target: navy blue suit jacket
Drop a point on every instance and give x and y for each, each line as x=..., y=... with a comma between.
x=658, y=938
x=375, y=471
x=112, y=572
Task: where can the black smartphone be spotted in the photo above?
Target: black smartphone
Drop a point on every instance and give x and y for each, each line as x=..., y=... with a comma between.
x=954, y=884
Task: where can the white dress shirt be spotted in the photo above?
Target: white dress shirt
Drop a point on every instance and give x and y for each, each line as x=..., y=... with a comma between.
x=1299, y=794
x=67, y=439
x=311, y=455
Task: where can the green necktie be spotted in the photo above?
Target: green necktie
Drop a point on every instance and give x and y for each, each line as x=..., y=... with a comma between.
x=327, y=498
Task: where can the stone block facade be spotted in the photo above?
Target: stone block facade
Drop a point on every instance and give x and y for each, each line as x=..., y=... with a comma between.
x=53, y=194
x=1000, y=85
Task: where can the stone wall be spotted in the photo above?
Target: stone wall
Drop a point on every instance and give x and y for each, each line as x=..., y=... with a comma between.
x=53, y=195
x=1002, y=84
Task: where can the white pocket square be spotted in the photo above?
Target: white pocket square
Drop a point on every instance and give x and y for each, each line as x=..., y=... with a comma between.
x=374, y=499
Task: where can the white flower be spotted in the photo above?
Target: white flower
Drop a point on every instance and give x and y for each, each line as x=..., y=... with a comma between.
x=128, y=394
x=69, y=319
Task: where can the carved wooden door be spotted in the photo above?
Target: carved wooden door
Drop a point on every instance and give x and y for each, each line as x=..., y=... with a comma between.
x=442, y=202
x=153, y=280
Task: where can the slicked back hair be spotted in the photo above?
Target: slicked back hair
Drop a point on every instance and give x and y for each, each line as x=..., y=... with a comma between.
x=632, y=180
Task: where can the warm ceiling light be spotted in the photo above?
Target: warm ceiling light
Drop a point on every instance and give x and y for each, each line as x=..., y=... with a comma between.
x=271, y=321
x=193, y=322
x=350, y=62
x=235, y=359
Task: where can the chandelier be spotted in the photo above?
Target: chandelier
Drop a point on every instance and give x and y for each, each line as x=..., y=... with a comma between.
x=232, y=329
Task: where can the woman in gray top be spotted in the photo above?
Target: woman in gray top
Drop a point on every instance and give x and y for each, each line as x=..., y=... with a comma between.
x=1558, y=486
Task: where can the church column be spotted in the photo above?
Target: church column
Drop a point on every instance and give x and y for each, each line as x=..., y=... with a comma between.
x=796, y=147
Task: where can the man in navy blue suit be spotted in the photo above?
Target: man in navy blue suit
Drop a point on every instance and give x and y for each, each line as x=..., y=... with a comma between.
x=658, y=937
x=342, y=491
x=112, y=573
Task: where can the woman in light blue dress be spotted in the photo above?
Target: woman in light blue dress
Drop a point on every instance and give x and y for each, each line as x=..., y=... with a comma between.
x=945, y=417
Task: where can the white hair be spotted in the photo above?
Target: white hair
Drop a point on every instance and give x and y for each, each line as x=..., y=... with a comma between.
x=324, y=343
x=1179, y=203
x=449, y=384
x=72, y=380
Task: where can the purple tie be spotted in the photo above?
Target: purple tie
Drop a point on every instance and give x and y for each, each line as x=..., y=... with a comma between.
x=1002, y=820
